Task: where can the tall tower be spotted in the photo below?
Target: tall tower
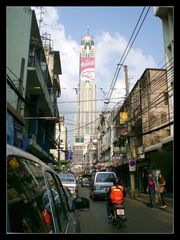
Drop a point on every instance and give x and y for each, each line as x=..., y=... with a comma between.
x=85, y=118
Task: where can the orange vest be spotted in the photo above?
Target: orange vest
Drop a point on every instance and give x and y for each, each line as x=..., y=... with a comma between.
x=117, y=194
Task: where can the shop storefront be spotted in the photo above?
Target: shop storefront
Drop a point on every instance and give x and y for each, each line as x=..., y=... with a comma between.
x=163, y=161
x=142, y=168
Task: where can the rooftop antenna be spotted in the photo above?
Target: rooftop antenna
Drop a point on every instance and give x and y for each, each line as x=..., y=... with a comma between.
x=41, y=18
x=87, y=30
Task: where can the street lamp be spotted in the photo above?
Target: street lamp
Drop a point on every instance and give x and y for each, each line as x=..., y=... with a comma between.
x=106, y=101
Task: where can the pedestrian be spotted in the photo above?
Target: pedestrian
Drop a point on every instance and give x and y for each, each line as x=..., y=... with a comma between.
x=162, y=190
x=151, y=189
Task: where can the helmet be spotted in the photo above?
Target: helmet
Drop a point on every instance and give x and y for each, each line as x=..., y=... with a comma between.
x=116, y=180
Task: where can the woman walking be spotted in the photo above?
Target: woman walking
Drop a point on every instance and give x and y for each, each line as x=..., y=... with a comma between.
x=162, y=190
x=151, y=189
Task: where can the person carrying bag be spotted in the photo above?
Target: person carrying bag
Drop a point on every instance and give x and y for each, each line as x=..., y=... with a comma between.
x=162, y=190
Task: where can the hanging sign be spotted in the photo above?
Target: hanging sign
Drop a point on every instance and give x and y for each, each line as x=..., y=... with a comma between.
x=132, y=165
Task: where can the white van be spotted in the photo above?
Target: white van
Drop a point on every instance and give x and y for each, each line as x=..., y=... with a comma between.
x=36, y=199
x=100, y=184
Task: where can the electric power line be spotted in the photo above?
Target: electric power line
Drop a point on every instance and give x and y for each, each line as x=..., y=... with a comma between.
x=122, y=60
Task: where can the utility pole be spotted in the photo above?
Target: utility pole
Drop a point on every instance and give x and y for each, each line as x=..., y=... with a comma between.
x=131, y=169
x=126, y=80
x=59, y=142
x=132, y=182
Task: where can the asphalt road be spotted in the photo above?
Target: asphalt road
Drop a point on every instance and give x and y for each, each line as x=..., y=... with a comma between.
x=141, y=219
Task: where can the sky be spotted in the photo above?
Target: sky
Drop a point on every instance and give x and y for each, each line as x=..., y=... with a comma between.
x=111, y=29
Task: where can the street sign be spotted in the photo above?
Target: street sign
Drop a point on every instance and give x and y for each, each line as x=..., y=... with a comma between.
x=69, y=154
x=132, y=165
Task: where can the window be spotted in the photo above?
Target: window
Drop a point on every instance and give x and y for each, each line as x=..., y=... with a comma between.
x=79, y=139
x=59, y=203
x=163, y=117
x=152, y=120
x=166, y=98
x=67, y=177
x=25, y=191
x=105, y=177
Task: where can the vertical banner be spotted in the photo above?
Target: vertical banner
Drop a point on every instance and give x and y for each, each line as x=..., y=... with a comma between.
x=87, y=68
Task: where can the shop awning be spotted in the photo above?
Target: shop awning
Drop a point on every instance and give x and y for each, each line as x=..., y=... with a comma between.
x=167, y=139
x=153, y=147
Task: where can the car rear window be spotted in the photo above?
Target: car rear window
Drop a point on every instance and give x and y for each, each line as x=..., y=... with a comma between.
x=67, y=178
x=105, y=177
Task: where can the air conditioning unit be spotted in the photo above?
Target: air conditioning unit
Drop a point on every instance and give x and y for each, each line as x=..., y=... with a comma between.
x=140, y=150
x=142, y=156
x=116, y=150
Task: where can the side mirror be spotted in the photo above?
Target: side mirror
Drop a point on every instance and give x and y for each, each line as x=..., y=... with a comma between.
x=80, y=204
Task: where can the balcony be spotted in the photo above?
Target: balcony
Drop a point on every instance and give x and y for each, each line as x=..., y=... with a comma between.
x=37, y=150
x=161, y=11
x=38, y=86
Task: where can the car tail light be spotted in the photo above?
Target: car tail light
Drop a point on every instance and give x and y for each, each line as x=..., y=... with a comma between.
x=47, y=217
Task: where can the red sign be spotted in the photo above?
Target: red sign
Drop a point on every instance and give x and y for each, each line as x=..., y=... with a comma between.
x=87, y=68
x=87, y=62
x=102, y=165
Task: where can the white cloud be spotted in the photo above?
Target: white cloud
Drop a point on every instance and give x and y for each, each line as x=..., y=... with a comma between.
x=69, y=53
x=138, y=62
x=109, y=49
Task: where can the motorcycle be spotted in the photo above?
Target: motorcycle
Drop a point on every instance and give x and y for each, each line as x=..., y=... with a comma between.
x=118, y=216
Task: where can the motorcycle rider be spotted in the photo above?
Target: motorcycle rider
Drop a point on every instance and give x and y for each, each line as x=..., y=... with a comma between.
x=115, y=195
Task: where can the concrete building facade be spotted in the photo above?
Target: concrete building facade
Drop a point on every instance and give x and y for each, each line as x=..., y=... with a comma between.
x=166, y=14
x=32, y=85
x=18, y=29
x=137, y=131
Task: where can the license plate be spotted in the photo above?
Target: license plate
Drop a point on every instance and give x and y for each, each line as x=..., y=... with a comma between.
x=120, y=211
x=71, y=190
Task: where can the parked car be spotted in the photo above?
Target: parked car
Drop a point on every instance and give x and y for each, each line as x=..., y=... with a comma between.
x=86, y=180
x=37, y=202
x=69, y=195
x=69, y=180
x=100, y=183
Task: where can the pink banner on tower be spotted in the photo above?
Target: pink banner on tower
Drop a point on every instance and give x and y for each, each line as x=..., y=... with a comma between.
x=87, y=63
x=87, y=66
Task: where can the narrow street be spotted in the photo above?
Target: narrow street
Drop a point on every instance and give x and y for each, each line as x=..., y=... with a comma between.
x=90, y=89
x=141, y=219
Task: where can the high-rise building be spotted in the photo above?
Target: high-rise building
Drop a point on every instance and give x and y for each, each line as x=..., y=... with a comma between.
x=85, y=118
